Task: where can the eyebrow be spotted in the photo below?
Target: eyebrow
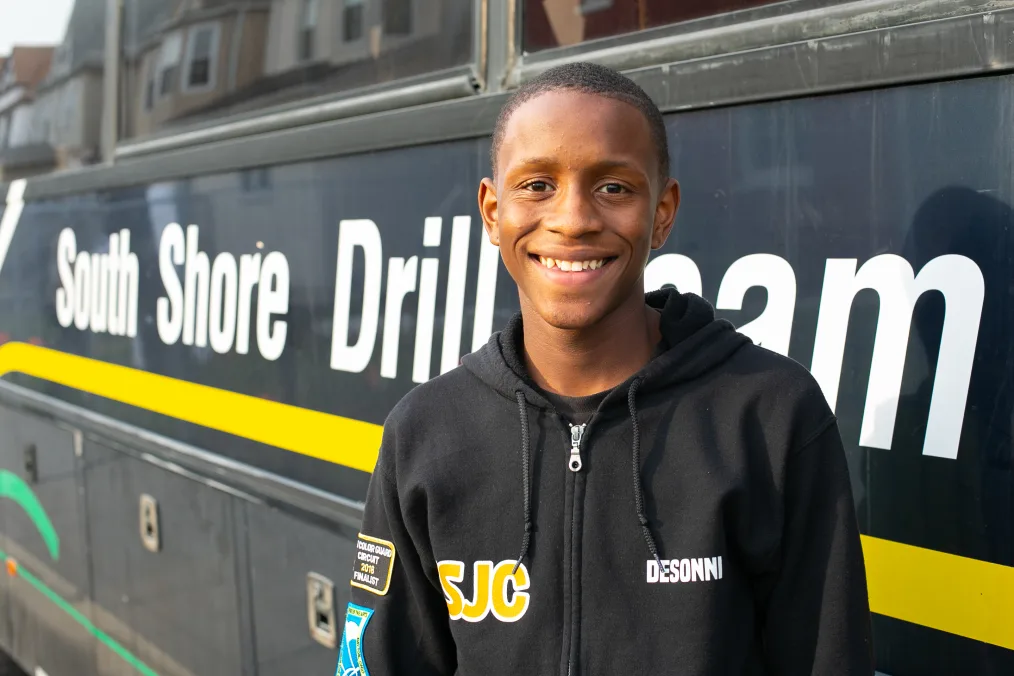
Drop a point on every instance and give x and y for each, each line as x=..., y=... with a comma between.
x=601, y=165
x=537, y=161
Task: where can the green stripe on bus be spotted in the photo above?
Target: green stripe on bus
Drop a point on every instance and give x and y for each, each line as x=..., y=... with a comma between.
x=13, y=487
x=104, y=638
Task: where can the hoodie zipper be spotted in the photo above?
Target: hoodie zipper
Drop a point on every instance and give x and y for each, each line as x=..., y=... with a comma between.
x=576, y=433
x=574, y=464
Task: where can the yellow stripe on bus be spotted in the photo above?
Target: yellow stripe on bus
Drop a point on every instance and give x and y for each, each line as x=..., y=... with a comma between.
x=343, y=441
x=950, y=593
x=962, y=596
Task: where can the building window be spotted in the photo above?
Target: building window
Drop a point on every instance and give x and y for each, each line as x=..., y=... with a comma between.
x=202, y=53
x=255, y=180
x=352, y=20
x=552, y=23
x=149, y=85
x=397, y=17
x=307, y=30
x=169, y=63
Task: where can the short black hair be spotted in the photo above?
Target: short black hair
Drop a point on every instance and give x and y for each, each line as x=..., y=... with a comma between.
x=587, y=78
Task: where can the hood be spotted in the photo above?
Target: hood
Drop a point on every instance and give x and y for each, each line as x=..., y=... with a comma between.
x=697, y=342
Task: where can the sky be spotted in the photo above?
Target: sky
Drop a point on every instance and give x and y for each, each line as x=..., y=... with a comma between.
x=32, y=22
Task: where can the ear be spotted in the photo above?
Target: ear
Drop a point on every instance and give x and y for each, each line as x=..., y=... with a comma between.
x=488, y=207
x=665, y=213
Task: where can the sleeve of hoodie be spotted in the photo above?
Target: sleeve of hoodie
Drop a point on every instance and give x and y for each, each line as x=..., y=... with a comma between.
x=405, y=629
x=817, y=616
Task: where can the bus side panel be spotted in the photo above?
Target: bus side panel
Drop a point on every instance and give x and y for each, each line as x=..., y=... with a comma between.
x=45, y=546
x=283, y=550
x=885, y=225
x=178, y=608
x=105, y=475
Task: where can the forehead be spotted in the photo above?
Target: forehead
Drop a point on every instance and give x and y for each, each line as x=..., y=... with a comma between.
x=573, y=127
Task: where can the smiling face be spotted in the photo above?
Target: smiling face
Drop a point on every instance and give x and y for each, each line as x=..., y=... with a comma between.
x=577, y=206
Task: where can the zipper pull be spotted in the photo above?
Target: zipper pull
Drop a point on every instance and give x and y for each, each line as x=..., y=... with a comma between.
x=576, y=432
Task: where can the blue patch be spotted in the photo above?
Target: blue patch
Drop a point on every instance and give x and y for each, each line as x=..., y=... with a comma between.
x=350, y=656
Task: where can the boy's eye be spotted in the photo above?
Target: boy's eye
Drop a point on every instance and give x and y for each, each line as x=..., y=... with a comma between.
x=613, y=189
x=537, y=186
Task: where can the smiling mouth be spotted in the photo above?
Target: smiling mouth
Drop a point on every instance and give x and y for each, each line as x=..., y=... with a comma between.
x=572, y=265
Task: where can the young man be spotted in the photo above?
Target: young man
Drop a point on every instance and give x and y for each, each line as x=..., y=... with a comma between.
x=616, y=483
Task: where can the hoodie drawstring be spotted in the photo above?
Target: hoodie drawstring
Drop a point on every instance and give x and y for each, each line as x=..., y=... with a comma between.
x=526, y=465
x=526, y=462
x=649, y=539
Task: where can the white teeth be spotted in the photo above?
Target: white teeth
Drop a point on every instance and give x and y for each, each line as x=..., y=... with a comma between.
x=571, y=266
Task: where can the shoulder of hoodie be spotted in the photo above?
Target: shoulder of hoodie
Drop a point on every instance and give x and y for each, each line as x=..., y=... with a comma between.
x=427, y=415
x=782, y=392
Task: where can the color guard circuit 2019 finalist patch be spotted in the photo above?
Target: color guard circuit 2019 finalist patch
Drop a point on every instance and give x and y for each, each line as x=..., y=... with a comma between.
x=374, y=564
x=350, y=656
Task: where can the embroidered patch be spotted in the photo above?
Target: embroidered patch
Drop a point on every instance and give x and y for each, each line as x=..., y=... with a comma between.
x=374, y=564
x=350, y=657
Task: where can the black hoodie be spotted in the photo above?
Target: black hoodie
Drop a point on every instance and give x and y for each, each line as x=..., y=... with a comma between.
x=709, y=529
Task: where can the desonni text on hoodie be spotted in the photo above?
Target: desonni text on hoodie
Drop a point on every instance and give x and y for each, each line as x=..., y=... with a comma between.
x=709, y=529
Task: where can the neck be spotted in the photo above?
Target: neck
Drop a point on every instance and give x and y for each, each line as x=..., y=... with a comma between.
x=582, y=362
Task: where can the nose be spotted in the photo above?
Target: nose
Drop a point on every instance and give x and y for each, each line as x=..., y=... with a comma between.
x=573, y=213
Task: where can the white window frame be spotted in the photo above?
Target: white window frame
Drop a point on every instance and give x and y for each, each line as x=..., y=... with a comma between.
x=302, y=28
x=151, y=76
x=162, y=63
x=346, y=5
x=216, y=31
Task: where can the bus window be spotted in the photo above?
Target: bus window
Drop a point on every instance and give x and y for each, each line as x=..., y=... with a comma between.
x=185, y=62
x=50, y=87
x=558, y=23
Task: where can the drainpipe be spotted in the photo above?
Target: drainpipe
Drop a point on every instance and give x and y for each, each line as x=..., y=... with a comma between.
x=111, y=80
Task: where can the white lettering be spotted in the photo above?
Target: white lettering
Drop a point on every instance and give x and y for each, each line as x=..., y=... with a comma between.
x=653, y=572
x=427, y=303
x=364, y=234
x=674, y=269
x=195, y=292
x=92, y=283
x=222, y=306
x=214, y=301
x=272, y=299
x=82, y=291
x=696, y=569
x=774, y=326
x=454, y=307
x=66, y=252
x=401, y=276
x=677, y=571
x=961, y=283
x=169, y=309
x=100, y=289
x=249, y=275
x=129, y=277
x=117, y=326
x=710, y=569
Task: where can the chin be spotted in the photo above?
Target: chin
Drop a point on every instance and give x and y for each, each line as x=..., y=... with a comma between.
x=570, y=316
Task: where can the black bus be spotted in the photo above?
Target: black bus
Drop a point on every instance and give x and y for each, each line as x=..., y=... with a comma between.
x=213, y=291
